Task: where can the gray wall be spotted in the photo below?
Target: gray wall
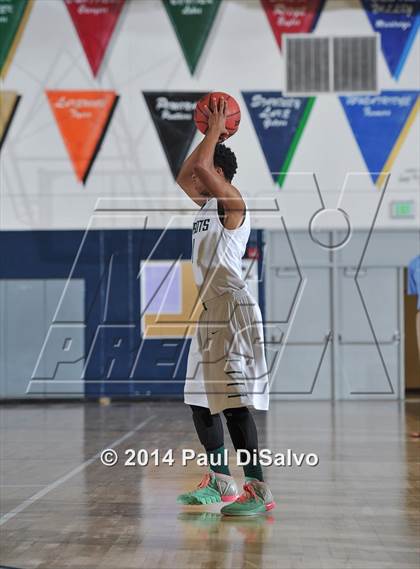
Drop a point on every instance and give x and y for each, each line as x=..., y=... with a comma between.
x=27, y=309
x=336, y=322
x=328, y=334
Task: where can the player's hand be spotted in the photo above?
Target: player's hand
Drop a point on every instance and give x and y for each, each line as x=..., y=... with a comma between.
x=217, y=118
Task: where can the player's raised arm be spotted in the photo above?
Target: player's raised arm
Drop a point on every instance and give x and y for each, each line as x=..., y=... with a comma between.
x=212, y=177
x=186, y=179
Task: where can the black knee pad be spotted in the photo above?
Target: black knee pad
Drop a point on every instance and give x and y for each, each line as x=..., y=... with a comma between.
x=209, y=427
x=236, y=413
x=242, y=428
x=202, y=415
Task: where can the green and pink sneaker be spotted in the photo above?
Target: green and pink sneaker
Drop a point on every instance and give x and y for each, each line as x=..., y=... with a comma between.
x=213, y=488
x=255, y=499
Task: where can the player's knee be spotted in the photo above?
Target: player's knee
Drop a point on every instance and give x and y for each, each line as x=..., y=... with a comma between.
x=202, y=415
x=236, y=413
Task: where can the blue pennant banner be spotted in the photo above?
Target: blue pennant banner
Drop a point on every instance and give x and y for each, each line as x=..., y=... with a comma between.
x=380, y=124
x=397, y=22
x=279, y=122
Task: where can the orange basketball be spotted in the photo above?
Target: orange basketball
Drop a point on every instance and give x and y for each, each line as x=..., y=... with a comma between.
x=233, y=112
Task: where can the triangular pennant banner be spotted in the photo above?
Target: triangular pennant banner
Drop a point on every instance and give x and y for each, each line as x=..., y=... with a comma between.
x=9, y=101
x=173, y=116
x=380, y=124
x=397, y=22
x=83, y=118
x=292, y=16
x=94, y=21
x=279, y=122
x=192, y=21
x=13, y=17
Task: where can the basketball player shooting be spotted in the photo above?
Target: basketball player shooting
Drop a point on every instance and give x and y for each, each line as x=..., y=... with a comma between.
x=227, y=371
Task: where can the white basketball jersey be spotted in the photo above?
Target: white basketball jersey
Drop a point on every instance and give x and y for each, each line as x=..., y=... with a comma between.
x=217, y=252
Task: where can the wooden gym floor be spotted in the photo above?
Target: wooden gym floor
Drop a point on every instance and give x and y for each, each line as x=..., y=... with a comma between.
x=61, y=508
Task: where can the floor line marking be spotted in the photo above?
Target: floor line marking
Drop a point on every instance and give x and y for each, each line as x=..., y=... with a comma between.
x=29, y=501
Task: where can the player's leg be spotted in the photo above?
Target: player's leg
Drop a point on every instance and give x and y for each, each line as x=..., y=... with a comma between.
x=210, y=432
x=247, y=366
x=243, y=432
x=217, y=485
x=257, y=497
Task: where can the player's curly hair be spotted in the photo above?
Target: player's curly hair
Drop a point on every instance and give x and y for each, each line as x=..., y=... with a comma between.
x=226, y=160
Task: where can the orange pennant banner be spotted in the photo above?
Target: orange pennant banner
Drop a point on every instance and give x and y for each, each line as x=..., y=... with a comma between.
x=83, y=118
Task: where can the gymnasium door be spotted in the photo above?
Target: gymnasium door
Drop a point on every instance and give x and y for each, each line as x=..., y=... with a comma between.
x=299, y=318
x=368, y=339
x=332, y=331
x=412, y=356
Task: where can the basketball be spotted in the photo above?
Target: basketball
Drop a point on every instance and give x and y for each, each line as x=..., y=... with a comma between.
x=233, y=112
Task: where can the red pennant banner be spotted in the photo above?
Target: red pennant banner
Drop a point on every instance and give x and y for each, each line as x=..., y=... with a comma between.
x=83, y=118
x=94, y=21
x=292, y=16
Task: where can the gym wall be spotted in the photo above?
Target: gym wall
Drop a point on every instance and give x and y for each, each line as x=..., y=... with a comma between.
x=53, y=226
x=39, y=186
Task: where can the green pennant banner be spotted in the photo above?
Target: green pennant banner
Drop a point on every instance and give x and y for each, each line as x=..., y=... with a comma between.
x=192, y=21
x=13, y=16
